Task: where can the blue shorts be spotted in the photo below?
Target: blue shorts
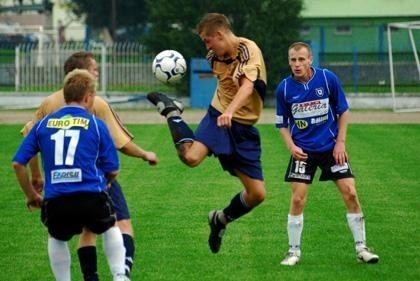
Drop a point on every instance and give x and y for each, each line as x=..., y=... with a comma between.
x=118, y=201
x=237, y=148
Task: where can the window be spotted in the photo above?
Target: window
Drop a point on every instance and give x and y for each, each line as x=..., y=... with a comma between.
x=305, y=30
x=343, y=30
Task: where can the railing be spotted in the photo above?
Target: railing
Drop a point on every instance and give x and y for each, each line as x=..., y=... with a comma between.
x=122, y=66
x=126, y=67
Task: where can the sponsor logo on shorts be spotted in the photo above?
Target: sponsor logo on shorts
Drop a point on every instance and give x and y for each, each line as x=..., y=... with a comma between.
x=299, y=176
x=340, y=168
x=66, y=175
x=67, y=122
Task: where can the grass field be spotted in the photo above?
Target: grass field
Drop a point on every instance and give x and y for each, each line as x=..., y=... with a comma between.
x=169, y=205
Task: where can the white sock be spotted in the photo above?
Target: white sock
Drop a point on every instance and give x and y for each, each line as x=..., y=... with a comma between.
x=356, y=224
x=294, y=231
x=59, y=254
x=114, y=250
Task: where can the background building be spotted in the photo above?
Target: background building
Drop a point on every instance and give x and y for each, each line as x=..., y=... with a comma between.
x=339, y=28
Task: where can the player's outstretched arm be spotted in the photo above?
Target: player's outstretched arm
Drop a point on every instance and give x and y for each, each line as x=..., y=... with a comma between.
x=133, y=150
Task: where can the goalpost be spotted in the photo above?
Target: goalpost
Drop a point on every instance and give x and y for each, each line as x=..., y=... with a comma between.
x=404, y=72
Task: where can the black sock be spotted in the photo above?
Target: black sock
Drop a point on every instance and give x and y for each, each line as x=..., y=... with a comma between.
x=88, y=263
x=237, y=208
x=129, y=252
x=179, y=130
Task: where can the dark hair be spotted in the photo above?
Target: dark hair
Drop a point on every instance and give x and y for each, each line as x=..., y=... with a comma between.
x=81, y=60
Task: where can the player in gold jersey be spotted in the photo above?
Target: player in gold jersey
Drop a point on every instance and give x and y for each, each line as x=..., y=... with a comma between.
x=123, y=141
x=227, y=130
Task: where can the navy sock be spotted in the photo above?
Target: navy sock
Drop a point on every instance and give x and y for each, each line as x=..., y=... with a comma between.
x=237, y=208
x=129, y=252
x=179, y=130
x=88, y=263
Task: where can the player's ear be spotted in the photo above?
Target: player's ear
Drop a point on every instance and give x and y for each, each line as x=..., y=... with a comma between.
x=219, y=34
x=88, y=95
x=311, y=59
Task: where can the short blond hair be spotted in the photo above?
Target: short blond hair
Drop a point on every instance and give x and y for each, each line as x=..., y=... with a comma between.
x=212, y=22
x=299, y=45
x=76, y=83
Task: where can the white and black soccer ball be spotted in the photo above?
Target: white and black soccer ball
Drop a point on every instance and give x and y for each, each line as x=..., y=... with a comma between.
x=169, y=66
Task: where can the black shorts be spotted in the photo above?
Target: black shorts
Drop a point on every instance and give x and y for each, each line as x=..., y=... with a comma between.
x=304, y=171
x=66, y=216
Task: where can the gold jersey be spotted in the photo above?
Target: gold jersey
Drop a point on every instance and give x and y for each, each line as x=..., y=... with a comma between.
x=249, y=62
x=120, y=135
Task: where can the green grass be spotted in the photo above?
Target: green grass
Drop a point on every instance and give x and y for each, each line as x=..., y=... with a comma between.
x=169, y=205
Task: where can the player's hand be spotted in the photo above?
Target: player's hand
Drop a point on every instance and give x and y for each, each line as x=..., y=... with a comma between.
x=151, y=157
x=37, y=183
x=339, y=153
x=224, y=120
x=298, y=154
x=110, y=177
x=34, y=202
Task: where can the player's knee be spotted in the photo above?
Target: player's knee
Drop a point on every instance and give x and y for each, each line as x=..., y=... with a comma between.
x=298, y=201
x=87, y=238
x=125, y=226
x=190, y=159
x=259, y=196
x=350, y=194
x=256, y=197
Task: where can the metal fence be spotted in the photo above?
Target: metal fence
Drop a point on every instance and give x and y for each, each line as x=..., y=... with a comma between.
x=122, y=66
x=126, y=67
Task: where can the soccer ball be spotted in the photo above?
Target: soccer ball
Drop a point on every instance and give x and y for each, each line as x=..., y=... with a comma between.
x=169, y=66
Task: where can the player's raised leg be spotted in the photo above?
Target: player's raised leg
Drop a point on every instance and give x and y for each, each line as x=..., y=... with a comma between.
x=164, y=104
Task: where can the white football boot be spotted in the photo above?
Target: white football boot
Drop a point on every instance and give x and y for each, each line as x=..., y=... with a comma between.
x=291, y=259
x=364, y=254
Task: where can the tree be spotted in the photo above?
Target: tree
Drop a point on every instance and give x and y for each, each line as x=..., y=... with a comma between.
x=272, y=24
x=127, y=15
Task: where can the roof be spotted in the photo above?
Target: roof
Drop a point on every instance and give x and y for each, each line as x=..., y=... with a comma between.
x=360, y=8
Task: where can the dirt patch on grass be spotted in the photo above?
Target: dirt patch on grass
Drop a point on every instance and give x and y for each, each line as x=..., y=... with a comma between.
x=194, y=116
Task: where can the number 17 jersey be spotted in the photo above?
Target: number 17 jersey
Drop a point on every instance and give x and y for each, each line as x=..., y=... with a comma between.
x=76, y=148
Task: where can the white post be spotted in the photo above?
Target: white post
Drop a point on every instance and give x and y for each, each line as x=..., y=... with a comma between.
x=103, y=69
x=40, y=46
x=391, y=67
x=413, y=44
x=17, y=68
